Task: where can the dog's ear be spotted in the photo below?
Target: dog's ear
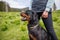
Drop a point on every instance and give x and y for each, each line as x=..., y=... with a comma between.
x=29, y=13
x=32, y=14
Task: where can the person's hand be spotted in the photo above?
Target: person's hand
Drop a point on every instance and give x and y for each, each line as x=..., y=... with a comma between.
x=45, y=14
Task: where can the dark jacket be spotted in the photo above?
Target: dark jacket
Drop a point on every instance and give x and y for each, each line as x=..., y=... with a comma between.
x=39, y=5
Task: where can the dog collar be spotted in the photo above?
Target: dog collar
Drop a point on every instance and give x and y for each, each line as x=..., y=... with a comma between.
x=34, y=26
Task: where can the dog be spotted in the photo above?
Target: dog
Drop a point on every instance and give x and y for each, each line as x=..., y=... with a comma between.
x=36, y=32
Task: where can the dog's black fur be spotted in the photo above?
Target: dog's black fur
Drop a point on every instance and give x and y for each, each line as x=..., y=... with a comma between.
x=36, y=32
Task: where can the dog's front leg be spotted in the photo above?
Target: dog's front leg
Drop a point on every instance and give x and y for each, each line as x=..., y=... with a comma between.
x=32, y=37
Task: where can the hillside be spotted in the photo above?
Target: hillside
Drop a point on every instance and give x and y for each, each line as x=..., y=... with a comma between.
x=4, y=7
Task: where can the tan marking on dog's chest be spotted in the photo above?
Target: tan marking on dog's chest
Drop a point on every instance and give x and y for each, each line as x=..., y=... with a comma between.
x=34, y=38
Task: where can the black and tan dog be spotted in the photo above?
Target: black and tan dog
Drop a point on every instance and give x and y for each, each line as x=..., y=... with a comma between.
x=35, y=31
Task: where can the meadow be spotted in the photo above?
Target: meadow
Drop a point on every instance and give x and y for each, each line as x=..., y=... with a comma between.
x=12, y=28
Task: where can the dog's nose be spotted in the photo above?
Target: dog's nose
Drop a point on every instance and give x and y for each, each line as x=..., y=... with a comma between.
x=23, y=19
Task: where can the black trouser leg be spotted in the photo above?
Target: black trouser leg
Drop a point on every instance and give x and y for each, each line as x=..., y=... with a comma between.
x=49, y=26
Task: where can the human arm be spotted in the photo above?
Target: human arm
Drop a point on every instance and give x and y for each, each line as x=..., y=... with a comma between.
x=48, y=7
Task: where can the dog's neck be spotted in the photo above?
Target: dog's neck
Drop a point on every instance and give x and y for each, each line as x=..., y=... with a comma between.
x=33, y=23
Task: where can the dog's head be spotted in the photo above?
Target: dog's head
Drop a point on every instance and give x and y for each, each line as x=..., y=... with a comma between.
x=28, y=15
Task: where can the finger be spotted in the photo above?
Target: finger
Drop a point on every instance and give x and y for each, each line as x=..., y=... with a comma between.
x=45, y=16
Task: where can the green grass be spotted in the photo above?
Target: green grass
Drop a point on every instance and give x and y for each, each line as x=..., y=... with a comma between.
x=12, y=28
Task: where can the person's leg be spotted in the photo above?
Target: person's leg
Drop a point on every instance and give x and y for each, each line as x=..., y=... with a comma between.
x=49, y=26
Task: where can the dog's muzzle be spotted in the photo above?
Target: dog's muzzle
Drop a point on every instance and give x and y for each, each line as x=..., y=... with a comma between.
x=24, y=16
x=23, y=19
